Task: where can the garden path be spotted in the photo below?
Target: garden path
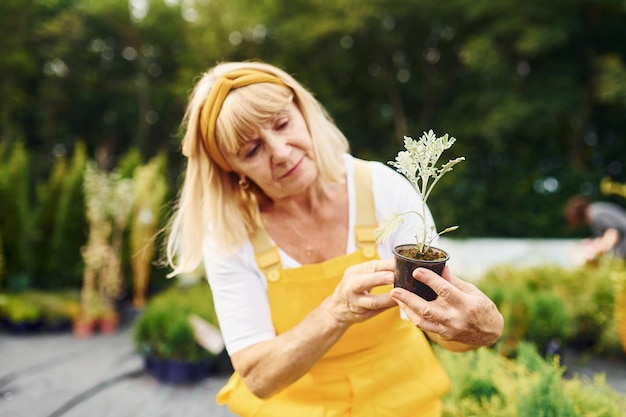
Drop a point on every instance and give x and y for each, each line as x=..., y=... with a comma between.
x=57, y=375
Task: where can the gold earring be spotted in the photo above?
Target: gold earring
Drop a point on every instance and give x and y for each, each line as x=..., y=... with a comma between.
x=243, y=183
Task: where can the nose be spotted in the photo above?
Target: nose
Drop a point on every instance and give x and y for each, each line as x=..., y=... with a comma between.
x=278, y=147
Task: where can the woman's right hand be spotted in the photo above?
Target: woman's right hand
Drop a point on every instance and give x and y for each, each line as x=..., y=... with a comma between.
x=352, y=300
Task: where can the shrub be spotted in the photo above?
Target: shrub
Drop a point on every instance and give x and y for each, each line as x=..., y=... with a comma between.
x=51, y=308
x=15, y=222
x=540, y=303
x=61, y=223
x=619, y=323
x=487, y=384
x=20, y=309
x=163, y=329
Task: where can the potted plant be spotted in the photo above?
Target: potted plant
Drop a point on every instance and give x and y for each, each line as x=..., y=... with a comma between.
x=418, y=162
x=85, y=323
x=150, y=193
x=108, y=202
x=20, y=314
x=165, y=335
x=58, y=308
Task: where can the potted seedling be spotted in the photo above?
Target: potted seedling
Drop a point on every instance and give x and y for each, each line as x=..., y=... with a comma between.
x=418, y=163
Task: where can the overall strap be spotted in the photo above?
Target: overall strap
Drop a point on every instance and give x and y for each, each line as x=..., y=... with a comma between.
x=366, y=222
x=266, y=253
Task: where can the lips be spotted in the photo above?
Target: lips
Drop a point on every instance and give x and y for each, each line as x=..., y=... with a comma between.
x=292, y=170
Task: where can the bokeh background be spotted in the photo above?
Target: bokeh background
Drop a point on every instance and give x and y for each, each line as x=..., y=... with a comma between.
x=534, y=92
x=92, y=93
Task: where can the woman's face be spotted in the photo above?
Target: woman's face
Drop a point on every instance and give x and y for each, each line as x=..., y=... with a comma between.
x=279, y=156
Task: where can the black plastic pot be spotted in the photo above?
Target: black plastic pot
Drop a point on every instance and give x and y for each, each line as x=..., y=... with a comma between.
x=22, y=327
x=177, y=371
x=406, y=265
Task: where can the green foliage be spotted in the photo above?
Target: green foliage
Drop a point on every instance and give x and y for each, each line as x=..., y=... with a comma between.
x=510, y=77
x=163, y=328
x=546, y=398
x=15, y=222
x=574, y=305
x=534, y=89
x=50, y=307
x=487, y=384
x=49, y=221
x=129, y=162
x=61, y=223
x=20, y=309
x=549, y=318
x=2, y=262
x=151, y=191
x=58, y=305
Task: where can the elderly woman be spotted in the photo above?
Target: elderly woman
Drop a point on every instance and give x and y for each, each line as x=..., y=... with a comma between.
x=283, y=217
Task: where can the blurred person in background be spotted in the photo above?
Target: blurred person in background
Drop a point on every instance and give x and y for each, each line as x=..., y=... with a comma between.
x=607, y=223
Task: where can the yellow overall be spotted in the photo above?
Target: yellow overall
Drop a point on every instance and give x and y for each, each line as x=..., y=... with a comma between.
x=381, y=367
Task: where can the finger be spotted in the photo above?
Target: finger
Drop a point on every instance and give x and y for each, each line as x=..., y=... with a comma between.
x=464, y=286
x=374, y=266
x=423, y=317
x=411, y=302
x=446, y=274
x=440, y=285
x=365, y=282
x=376, y=302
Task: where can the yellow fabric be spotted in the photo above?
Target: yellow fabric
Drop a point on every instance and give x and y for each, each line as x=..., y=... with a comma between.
x=213, y=104
x=383, y=367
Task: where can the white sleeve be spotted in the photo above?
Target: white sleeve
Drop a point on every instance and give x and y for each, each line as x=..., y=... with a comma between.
x=240, y=297
x=393, y=193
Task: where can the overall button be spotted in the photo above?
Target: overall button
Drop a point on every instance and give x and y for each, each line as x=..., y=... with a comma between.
x=369, y=252
x=273, y=275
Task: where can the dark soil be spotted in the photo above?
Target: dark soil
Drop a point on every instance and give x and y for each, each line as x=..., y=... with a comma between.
x=430, y=254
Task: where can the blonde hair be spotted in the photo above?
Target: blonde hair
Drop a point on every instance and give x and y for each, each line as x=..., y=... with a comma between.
x=211, y=200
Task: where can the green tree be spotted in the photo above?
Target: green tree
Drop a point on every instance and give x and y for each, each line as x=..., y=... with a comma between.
x=16, y=64
x=533, y=91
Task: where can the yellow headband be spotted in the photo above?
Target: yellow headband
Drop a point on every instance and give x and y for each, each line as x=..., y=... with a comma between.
x=213, y=104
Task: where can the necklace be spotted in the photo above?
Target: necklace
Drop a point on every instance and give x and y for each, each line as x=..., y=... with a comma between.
x=308, y=247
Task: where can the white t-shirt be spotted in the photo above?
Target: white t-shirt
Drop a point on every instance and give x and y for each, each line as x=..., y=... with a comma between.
x=239, y=287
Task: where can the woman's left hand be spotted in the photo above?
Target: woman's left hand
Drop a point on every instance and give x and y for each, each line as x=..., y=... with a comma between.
x=461, y=318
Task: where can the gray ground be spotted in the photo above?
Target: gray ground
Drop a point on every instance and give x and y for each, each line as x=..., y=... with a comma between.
x=57, y=375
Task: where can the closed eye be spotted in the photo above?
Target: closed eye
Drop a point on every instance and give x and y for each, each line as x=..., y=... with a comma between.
x=250, y=149
x=282, y=124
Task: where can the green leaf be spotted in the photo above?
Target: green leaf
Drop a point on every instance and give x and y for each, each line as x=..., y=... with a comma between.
x=388, y=226
x=449, y=229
